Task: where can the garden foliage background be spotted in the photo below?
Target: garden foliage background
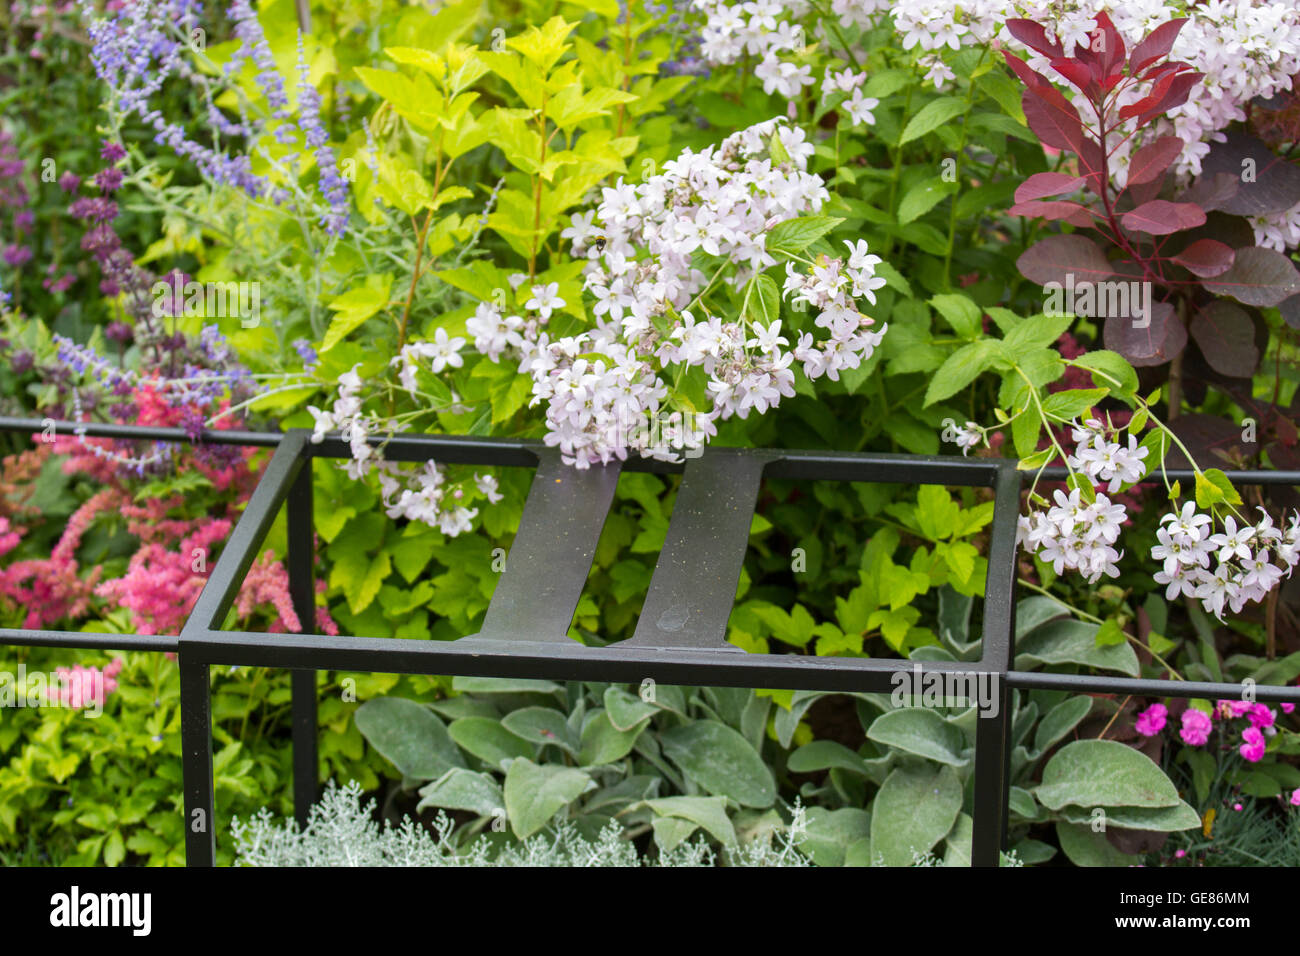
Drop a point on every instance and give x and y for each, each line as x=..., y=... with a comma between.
x=860, y=226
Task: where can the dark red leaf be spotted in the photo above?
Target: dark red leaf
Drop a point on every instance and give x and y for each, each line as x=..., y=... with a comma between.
x=1076, y=73
x=1053, y=119
x=1259, y=277
x=1056, y=257
x=1265, y=183
x=1206, y=258
x=1155, y=46
x=1056, y=210
x=1112, y=51
x=1032, y=34
x=1176, y=95
x=1226, y=336
x=1159, y=217
x=1146, y=341
x=1042, y=185
x=1092, y=164
x=1031, y=78
x=1151, y=161
x=1216, y=191
x=1157, y=93
x=1290, y=309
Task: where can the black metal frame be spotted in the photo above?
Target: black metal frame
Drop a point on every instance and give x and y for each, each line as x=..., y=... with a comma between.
x=680, y=636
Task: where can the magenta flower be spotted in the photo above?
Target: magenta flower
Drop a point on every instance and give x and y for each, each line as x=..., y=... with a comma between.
x=1152, y=720
x=1295, y=797
x=1196, y=727
x=1253, y=749
x=1262, y=717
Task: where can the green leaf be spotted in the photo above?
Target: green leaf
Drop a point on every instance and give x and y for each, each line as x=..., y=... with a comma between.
x=541, y=725
x=1074, y=642
x=961, y=368
x=535, y=793
x=708, y=812
x=461, y=789
x=603, y=743
x=914, y=809
x=1059, y=721
x=355, y=307
x=923, y=197
x=1086, y=848
x=627, y=710
x=1103, y=773
x=825, y=755
x=920, y=731
x=960, y=312
x=721, y=761
x=796, y=235
x=830, y=832
x=762, y=300
x=1072, y=403
x=1109, y=634
x=488, y=740
x=1182, y=816
x=503, y=685
x=1213, y=487
x=1113, y=369
x=929, y=118
x=409, y=736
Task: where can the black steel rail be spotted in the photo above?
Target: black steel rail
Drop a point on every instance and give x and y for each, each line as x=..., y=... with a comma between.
x=680, y=635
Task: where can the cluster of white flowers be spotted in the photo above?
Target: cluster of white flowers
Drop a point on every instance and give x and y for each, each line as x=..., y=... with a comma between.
x=1249, y=560
x=1102, y=459
x=425, y=496
x=722, y=202
x=1244, y=48
x=1076, y=534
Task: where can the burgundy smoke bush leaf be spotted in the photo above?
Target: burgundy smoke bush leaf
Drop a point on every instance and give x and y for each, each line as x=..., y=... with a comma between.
x=1259, y=277
x=1051, y=259
x=1031, y=78
x=1155, y=46
x=1212, y=192
x=1033, y=35
x=1206, y=258
x=1078, y=74
x=1113, y=51
x=1151, y=161
x=1092, y=165
x=1059, y=209
x=1210, y=439
x=1170, y=90
x=1042, y=185
x=1159, y=217
x=1290, y=309
x=1266, y=183
x=1053, y=119
x=1160, y=341
x=1226, y=337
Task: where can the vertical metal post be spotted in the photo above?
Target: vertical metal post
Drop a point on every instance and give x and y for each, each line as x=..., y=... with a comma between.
x=303, y=682
x=993, y=732
x=196, y=763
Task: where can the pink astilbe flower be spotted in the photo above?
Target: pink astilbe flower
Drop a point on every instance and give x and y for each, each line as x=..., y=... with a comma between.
x=324, y=621
x=267, y=582
x=1253, y=748
x=1295, y=797
x=52, y=589
x=85, y=686
x=1152, y=720
x=161, y=585
x=1196, y=727
x=8, y=537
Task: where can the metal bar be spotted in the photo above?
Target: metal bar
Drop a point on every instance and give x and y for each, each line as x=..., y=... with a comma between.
x=142, y=432
x=550, y=558
x=87, y=640
x=1058, y=473
x=196, y=763
x=1140, y=687
x=993, y=732
x=694, y=583
x=241, y=549
x=882, y=468
x=300, y=558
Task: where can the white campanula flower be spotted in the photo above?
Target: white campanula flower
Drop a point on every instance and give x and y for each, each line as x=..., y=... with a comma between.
x=545, y=299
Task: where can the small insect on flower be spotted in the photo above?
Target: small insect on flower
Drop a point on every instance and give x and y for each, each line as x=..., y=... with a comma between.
x=599, y=243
